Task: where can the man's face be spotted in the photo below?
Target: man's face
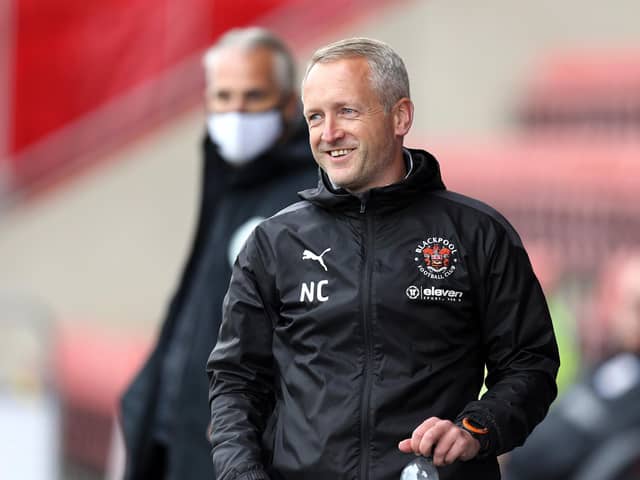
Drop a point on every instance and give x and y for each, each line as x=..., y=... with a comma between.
x=242, y=81
x=351, y=136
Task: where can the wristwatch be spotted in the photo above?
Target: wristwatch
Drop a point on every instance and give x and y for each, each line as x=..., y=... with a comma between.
x=477, y=431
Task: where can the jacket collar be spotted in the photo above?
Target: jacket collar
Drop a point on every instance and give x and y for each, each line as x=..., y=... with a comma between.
x=424, y=176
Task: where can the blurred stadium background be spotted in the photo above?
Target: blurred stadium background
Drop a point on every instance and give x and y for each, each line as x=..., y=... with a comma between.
x=533, y=107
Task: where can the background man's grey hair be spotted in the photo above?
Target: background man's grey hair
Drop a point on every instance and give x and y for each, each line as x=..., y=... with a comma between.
x=389, y=76
x=252, y=38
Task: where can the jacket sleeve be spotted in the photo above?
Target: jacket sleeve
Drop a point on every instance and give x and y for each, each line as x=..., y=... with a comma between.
x=520, y=349
x=241, y=371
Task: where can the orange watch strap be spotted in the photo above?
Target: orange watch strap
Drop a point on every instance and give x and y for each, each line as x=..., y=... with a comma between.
x=472, y=428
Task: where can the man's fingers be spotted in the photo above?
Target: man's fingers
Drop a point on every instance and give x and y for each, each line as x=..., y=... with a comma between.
x=447, y=446
x=464, y=448
x=432, y=436
x=418, y=434
x=441, y=439
x=405, y=446
x=456, y=452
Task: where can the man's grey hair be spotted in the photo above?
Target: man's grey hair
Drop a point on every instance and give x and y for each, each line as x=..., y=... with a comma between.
x=252, y=38
x=389, y=76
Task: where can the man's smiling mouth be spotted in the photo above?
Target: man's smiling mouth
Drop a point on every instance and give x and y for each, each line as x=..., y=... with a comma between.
x=340, y=153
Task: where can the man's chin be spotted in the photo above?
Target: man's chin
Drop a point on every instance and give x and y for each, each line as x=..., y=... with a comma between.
x=338, y=181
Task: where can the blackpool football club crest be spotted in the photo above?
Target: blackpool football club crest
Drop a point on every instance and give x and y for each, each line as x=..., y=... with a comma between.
x=436, y=257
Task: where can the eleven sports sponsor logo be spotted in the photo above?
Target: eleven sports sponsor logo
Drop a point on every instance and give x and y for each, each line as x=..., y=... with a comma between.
x=433, y=293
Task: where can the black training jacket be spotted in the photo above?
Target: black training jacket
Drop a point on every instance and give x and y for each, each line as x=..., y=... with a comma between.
x=349, y=321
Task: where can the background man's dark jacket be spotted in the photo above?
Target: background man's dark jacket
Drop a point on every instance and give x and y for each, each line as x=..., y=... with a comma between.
x=230, y=197
x=591, y=433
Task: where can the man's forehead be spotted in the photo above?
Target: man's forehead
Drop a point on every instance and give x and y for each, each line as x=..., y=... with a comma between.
x=340, y=81
x=347, y=64
x=344, y=72
x=235, y=66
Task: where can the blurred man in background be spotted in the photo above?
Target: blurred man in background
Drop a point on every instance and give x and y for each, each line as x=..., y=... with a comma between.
x=256, y=157
x=593, y=431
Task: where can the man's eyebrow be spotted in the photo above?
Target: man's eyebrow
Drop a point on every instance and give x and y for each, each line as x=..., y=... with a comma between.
x=255, y=91
x=218, y=92
x=337, y=105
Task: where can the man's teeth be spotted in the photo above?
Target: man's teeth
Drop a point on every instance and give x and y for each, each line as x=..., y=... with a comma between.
x=339, y=153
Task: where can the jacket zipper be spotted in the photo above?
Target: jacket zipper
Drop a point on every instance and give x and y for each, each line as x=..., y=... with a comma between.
x=367, y=274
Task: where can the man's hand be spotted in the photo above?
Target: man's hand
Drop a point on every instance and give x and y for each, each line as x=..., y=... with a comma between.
x=443, y=440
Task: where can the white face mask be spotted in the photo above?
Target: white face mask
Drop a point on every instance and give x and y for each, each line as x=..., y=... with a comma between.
x=243, y=136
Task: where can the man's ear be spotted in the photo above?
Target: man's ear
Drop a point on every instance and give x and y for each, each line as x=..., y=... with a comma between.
x=402, y=116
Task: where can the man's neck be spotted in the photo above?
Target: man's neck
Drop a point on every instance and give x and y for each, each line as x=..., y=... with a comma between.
x=407, y=167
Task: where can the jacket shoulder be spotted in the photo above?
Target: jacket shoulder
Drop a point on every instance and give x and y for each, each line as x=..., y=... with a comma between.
x=294, y=207
x=481, y=209
x=289, y=218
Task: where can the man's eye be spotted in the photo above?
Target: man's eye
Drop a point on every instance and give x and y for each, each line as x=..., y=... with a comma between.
x=255, y=95
x=348, y=111
x=221, y=96
x=313, y=118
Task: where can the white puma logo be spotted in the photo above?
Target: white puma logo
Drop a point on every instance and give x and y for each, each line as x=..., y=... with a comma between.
x=309, y=255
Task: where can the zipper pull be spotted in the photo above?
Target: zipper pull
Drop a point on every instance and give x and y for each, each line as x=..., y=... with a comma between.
x=364, y=198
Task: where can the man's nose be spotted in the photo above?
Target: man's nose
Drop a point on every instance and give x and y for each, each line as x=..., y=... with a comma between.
x=238, y=104
x=331, y=130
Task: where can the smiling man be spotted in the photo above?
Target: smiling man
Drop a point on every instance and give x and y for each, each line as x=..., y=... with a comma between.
x=346, y=369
